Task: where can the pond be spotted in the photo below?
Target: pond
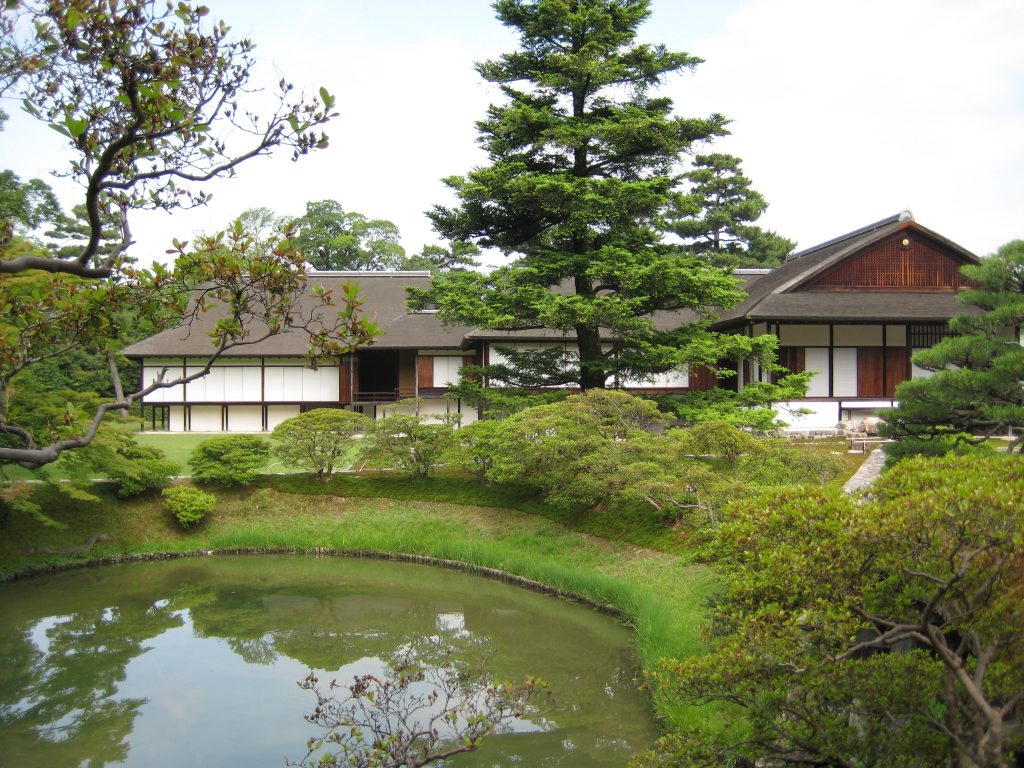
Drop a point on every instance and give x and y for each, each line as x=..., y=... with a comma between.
x=195, y=661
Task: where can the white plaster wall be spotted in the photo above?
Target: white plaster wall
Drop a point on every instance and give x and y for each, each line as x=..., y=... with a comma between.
x=167, y=394
x=242, y=383
x=844, y=376
x=822, y=415
x=205, y=418
x=291, y=384
x=245, y=418
x=435, y=407
x=803, y=335
x=816, y=359
x=273, y=384
x=176, y=418
x=208, y=389
x=496, y=358
x=446, y=370
x=320, y=385
x=677, y=377
x=278, y=413
x=382, y=410
x=857, y=335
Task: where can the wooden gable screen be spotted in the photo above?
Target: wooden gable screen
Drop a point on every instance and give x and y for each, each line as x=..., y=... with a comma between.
x=904, y=262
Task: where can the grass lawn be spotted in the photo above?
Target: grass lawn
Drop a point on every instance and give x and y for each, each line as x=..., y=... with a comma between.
x=177, y=446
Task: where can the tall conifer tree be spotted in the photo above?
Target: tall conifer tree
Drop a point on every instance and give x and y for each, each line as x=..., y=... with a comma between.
x=583, y=162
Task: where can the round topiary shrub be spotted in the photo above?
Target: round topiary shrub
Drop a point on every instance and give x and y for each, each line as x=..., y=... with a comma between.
x=188, y=505
x=229, y=460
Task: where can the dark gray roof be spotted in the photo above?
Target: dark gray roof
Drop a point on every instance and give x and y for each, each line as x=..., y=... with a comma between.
x=384, y=296
x=771, y=295
x=775, y=296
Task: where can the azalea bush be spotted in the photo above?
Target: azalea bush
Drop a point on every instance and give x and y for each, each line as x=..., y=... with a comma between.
x=188, y=505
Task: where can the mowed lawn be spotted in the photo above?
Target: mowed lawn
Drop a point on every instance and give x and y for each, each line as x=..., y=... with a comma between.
x=177, y=447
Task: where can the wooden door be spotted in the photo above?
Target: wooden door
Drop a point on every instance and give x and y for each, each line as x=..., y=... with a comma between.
x=344, y=381
x=701, y=379
x=425, y=372
x=897, y=368
x=870, y=382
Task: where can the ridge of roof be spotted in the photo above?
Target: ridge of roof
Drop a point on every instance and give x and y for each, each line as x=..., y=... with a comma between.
x=902, y=216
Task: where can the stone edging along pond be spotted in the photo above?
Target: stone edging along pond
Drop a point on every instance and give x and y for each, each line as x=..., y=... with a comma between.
x=455, y=565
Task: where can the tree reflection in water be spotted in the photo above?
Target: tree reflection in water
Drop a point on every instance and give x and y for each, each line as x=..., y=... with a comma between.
x=59, y=679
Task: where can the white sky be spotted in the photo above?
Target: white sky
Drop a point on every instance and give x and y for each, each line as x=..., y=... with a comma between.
x=844, y=111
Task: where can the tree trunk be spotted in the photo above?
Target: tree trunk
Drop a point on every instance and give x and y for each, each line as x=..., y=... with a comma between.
x=115, y=376
x=593, y=374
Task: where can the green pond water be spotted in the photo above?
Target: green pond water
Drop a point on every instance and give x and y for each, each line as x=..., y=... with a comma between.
x=195, y=662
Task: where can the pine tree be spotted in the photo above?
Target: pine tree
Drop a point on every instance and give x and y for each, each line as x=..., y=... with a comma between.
x=975, y=392
x=715, y=217
x=582, y=168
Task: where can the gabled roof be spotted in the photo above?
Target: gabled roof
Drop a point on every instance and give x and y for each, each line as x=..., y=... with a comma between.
x=384, y=297
x=775, y=296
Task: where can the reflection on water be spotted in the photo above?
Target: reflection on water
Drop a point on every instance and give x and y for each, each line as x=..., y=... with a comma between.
x=195, y=662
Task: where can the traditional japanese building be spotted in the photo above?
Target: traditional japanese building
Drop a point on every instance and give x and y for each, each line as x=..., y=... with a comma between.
x=853, y=309
x=254, y=387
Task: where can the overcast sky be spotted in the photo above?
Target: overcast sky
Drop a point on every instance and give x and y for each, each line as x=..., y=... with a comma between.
x=843, y=111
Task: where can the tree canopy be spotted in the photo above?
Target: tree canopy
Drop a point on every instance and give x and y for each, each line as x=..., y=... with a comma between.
x=334, y=239
x=582, y=168
x=151, y=101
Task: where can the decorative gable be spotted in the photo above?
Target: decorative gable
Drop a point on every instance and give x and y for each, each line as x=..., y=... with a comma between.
x=904, y=261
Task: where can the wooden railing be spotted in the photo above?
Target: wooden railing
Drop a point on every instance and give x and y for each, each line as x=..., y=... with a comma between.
x=383, y=396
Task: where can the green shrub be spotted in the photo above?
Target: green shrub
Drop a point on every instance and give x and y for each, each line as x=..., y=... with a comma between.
x=116, y=456
x=230, y=460
x=188, y=505
x=141, y=475
x=320, y=438
x=931, y=446
x=776, y=462
x=717, y=438
x=413, y=444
